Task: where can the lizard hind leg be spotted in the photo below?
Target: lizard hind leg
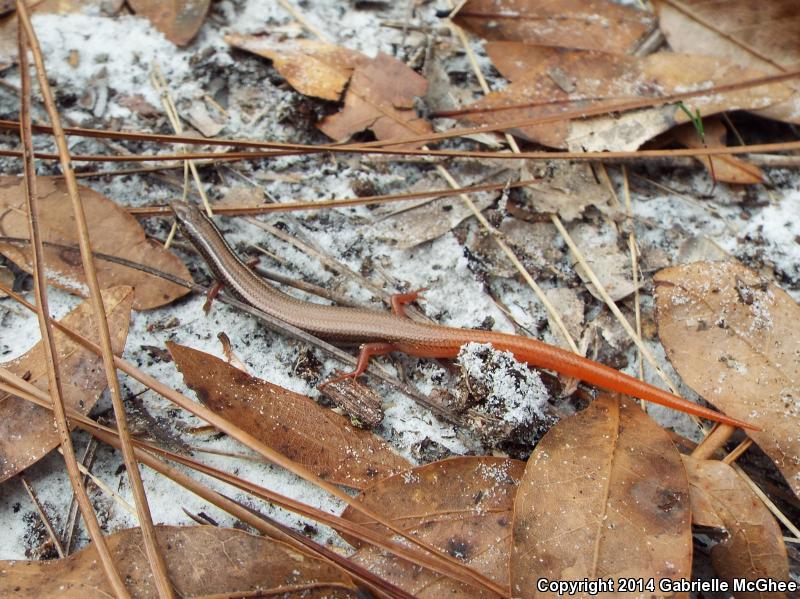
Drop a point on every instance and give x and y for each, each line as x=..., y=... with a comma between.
x=367, y=351
x=211, y=295
x=218, y=286
x=399, y=301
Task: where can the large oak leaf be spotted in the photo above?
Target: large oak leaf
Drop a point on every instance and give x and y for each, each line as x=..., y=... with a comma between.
x=111, y=231
x=604, y=495
x=293, y=424
x=201, y=561
x=461, y=506
x=552, y=81
x=27, y=432
x=732, y=336
x=754, y=547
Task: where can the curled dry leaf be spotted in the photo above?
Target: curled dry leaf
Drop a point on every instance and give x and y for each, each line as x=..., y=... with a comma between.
x=728, y=169
x=311, y=67
x=288, y=422
x=178, y=20
x=381, y=91
x=571, y=308
x=27, y=433
x=112, y=230
x=754, y=547
x=732, y=337
x=425, y=220
x=201, y=561
x=380, y=98
x=199, y=117
x=604, y=495
x=459, y=505
x=536, y=243
x=587, y=24
x=549, y=81
x=568, y=190
x=698, y=248
x=753, y=33
x=612, y=266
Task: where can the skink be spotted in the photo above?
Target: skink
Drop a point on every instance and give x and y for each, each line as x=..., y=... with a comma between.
x=384, y=332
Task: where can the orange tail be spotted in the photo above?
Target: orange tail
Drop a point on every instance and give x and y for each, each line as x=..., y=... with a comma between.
x=540, y=354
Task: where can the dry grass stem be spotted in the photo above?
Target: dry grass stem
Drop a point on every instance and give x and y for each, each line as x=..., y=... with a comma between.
x=51, y=532
x=27, y=391
x=161, y=86
x=689, y=200
x=326, y=204
x=537, y=290
x=738, y=451
x=154, y=556
x=119, y=499
x=633, y=247
x=87, y=459
x=579, y=257
x=285, y=149
x=767, y=501
x=713, y=441
x=43, y=312
x=298, y=16
x=434, y=556
x=604, y=156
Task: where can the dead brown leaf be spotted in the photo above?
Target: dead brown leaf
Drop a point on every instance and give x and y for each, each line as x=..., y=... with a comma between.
x=587, y=24
x=199, y=117
x=113, y=231
x=380, y=98
x=752, y=33
x=242, y=195
x=288, y=422
x=459, y=505
x=727, y=169
x=27, y=433
x=754, y=547
x=424, y=220
x=604, y=494
x=548, y=81
x=571, y=309
x=612, y=266
x=697, y=249
x=568, y=190
x=178, y=20
x=380, y=95
x=311, y=67
x=201, y=560
x=536, y=244
x=731, y=335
